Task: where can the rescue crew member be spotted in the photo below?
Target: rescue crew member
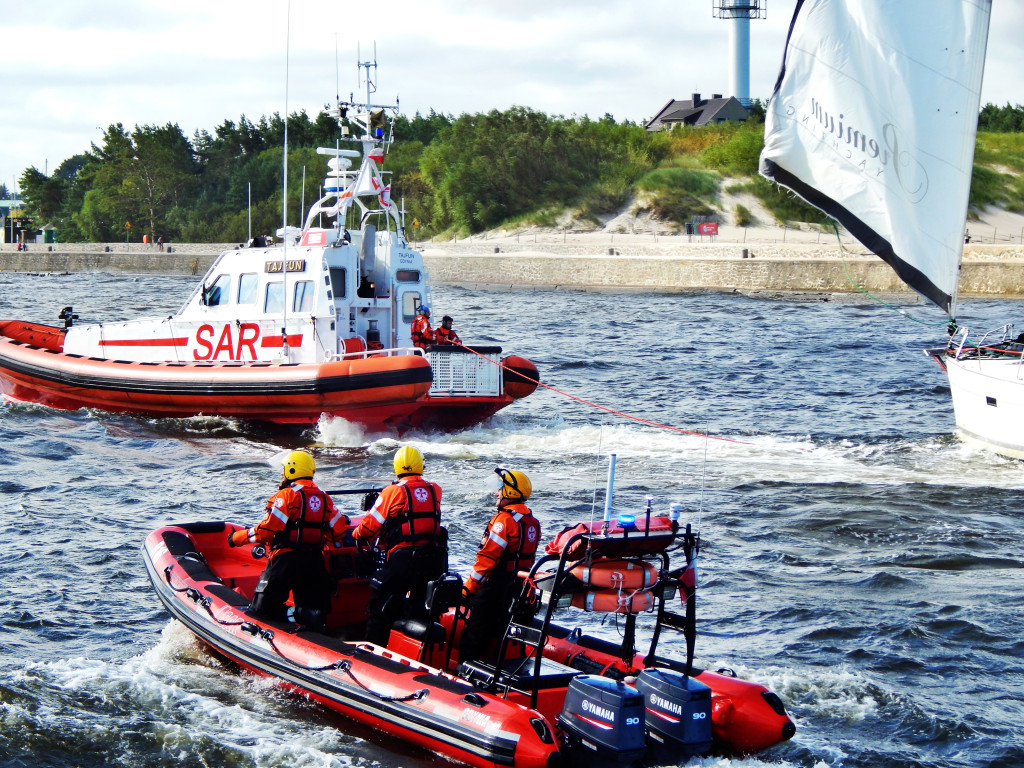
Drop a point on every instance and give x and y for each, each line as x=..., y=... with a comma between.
x=509, y=545
x=405, y=522
x=300, y=519
x=422, y=333
x=445, y=334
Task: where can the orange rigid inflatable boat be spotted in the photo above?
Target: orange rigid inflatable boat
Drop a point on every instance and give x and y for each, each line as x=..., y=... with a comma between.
x=546, y=696
x=318, y=322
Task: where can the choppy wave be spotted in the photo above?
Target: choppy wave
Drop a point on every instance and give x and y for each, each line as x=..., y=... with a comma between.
x=858, y=559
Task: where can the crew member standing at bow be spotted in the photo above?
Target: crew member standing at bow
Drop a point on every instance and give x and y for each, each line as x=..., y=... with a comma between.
x=509, y=546
x=445, y=334
x=422, y=333
x=405, y=521
x=300, y=519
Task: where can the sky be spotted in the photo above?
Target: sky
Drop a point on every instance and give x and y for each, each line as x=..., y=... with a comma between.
x=70, y=68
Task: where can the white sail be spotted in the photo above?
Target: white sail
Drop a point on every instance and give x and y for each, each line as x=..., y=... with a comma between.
x=873, y=120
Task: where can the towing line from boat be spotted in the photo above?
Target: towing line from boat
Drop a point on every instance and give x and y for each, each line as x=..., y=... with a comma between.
x=659, y=425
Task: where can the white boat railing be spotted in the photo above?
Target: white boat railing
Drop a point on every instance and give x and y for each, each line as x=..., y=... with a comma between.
x=365, y=353
x=458, y=373
x=988, y=339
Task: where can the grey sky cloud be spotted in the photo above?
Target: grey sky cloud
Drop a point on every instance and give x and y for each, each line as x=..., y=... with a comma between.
x=73, y=68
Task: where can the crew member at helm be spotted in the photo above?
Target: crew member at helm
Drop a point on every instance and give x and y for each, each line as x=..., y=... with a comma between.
x=300, y=519
x=405, y=522
x=422, y=333
x=509, y=546
x=445, y=334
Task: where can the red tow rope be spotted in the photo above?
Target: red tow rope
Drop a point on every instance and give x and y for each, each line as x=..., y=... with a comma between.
x=598, y=405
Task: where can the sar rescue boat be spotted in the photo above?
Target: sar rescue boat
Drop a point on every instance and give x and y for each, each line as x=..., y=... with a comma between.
x=318, y=323
x=548, y=695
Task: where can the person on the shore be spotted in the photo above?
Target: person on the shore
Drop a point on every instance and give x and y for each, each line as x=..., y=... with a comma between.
x=444, y=334
x=509, y=546
x=299, y=521
x=405, y=522
x=422, y=333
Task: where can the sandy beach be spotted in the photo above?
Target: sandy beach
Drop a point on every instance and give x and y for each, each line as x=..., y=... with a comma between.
x=625, y=235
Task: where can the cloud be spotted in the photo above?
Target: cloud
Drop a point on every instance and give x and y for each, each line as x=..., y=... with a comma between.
x=74, y=68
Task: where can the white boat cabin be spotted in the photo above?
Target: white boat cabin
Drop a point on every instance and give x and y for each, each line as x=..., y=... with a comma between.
x=347, y=293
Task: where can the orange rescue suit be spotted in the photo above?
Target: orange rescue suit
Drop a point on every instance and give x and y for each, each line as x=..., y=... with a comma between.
x=406, y=514
x=509, y=545
x=446, y=336
x=422, y=334
x=299, y=516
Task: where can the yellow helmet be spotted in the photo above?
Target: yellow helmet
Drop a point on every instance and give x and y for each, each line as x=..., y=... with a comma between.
x=408, y=461
x=514, y=484
x=299, y=465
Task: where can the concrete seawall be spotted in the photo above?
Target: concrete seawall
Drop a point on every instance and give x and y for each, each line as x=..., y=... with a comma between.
x=987, y=270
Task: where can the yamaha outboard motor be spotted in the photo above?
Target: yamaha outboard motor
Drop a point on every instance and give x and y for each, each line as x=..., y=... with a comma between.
x=602, y=723
x=678, y=715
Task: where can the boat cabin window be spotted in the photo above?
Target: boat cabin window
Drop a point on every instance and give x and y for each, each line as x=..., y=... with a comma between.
x=273, y=304
x=302, y=300
x=338, y=277
x=247, y=285
x=407, y=276
x=219, y=292
x=410, y=303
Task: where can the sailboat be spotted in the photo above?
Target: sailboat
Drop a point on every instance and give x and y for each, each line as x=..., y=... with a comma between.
x=873, y=120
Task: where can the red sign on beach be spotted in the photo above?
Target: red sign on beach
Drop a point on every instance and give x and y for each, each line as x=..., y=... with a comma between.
x=708, y=228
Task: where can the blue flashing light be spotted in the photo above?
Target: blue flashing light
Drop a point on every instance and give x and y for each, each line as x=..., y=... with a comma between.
x=380, y=133
x=627, y=521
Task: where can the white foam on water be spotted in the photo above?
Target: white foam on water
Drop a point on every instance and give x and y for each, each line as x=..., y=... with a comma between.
x=744, y=762
x=336, y=432
x=831, y=692
x=186, y=699
x=733, y=458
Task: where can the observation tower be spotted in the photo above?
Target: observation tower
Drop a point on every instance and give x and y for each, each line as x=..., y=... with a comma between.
x=740, y=12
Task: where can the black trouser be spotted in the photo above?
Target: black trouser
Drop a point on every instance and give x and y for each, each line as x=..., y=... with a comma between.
x=489, y=612
x=406, y=571
x=301, y=572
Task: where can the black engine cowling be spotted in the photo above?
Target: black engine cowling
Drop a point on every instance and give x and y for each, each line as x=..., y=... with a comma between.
x=678, y=718
x=602, y=722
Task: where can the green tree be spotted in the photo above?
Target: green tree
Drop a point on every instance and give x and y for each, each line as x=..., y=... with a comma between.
x=106, y=207
x=1007, y=119
x=44, y=195
x=161, y=177
x=486, y=169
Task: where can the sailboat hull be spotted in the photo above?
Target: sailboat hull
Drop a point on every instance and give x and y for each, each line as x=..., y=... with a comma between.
x=988, y=401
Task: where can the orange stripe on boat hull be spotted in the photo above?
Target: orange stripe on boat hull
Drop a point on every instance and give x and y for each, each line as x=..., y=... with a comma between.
x=378, y=392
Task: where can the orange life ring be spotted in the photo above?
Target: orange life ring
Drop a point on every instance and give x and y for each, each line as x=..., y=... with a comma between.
x=614, y=601
x=616, y=574
x=644, y=537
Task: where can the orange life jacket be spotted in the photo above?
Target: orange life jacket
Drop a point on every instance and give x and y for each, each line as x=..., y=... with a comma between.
x=420, y=521
x=422, y=335
x=520, y=555
x=308, y=526
x=447, y=336
x=509, y=544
